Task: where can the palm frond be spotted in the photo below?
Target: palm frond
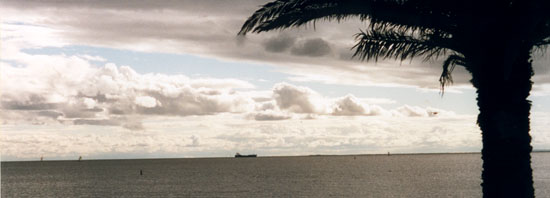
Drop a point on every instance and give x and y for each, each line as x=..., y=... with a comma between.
x=411, y=14
x=541, y=35
x=543, y=42
x=448, y=67
x=542, y=46
x=542, y=38
x=400, y=44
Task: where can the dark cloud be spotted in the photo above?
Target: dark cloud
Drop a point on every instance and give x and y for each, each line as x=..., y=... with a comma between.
x=219, y=6
x=311, y=47
x=33, y=101
x=75, y=112
x=209, y=28
x=16, y=105
x=279, y=43
x=50, y=114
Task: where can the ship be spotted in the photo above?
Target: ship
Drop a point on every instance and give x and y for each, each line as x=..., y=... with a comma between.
x=239, y=155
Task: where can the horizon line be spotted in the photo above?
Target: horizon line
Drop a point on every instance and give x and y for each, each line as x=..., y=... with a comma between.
x=266, y=156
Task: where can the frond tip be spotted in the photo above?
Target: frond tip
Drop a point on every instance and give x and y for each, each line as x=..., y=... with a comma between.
x=448, y=67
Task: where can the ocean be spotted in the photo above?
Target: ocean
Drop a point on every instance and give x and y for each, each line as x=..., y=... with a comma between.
x=414, y=175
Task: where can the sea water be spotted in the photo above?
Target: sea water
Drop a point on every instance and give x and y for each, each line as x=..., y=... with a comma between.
x=419, y=175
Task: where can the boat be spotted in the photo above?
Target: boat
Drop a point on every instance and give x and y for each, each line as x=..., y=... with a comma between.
x=239, y=155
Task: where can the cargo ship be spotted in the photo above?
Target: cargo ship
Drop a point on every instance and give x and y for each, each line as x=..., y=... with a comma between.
x=239, y=155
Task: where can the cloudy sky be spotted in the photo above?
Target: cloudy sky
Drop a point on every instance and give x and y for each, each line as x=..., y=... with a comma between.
x=152, y=79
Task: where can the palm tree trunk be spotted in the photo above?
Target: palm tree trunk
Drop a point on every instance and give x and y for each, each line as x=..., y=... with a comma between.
x=504, y=122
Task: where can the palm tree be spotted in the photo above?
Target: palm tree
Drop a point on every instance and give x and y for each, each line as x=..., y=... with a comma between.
x=492, y=39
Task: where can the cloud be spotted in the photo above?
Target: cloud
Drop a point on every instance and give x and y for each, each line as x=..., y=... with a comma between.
x=269, y=115
x=303, y=100
x=89, y=103
x=297, y=99
x=107, y=122
x=412, y=111
x=208, y=28
x=200, y=137
x=378, y=101
x=52, y=89
x=312, y=47
x=146, y=101
x=133, y=125
x=415, y=111
x=64, y=143
x=69, y=89
x=279, y=43
x=49, y=89
x=34, y=102
x=50, y=114
x=351, y=106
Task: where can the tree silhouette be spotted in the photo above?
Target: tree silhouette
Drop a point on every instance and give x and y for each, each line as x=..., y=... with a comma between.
x=492, y=39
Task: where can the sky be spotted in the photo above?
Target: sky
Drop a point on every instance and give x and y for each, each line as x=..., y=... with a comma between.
x=117, y=79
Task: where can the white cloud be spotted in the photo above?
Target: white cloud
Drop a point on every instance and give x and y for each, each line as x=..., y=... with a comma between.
x=415, y=111
x=350, y=106
x=89, y=103
x=412, y=111
x=46, y=89
x=297, y=99
x=50, y=89
x=377, y=100
x=146, y=101
x=198, y=136
x=70, y=89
